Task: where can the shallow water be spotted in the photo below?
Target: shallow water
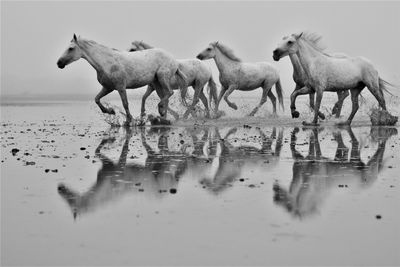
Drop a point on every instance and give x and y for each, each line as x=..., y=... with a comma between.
x=234, y=191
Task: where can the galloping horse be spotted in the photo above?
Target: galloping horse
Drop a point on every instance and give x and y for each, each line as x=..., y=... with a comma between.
x=236, y=75
x=328, y=73
x=300, y=78
x=120, y=70
x=197, y=76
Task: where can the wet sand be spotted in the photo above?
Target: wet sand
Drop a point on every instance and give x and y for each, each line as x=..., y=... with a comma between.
x=233, y=191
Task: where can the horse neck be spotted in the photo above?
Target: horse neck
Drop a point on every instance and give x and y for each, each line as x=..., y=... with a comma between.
x=297, y=68
x=223, y=63
x=307, y=55
x=95, y=54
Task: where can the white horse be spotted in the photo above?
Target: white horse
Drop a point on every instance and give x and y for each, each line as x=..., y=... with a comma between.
x=328, y=73
x=300, y=78
x=236, y=75
x=197, y=76
x=121, y=70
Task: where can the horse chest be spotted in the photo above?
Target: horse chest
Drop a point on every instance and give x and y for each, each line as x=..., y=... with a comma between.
x=111, y=81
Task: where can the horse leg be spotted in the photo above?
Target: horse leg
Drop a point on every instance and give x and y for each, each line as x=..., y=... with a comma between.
x=203, y=99
x=124, y=99
x=293, y=96
x=148, y=92
x=312, y=106
x=273, y=100
x=164, y=79
x=265, y=92
x=221, y=94
x=337, y=108
x=161, y=95
x=373, y=87
x=197, y=91
x=103, y=92
x=314, y=122
x=302, y=91
x=228, y=92
x=354, y=99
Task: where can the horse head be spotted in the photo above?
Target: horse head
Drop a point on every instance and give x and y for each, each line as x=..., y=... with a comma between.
x=287, y=46
x=71, y=54
x=209, y=52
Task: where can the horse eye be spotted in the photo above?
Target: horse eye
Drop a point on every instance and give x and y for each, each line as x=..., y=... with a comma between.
x=290, y=42
x=71, y=48
x=208, y=49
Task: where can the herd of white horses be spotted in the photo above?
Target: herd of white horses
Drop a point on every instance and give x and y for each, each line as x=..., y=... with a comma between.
x=314, y=72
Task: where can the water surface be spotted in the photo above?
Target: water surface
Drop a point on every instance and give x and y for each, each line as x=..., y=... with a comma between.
x=79, y=192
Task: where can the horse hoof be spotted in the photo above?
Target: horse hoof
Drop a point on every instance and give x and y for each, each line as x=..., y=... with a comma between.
x=233, y=106
x=295, y=114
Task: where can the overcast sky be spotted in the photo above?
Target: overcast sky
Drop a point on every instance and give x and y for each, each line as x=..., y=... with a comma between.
x=34, y=35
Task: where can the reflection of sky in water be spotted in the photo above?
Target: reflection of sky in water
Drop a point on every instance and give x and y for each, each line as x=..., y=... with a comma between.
x=243, y=195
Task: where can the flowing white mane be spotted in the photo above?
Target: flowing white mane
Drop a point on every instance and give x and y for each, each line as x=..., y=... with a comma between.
x=87, y=43
x=226, y=51
x=142, y=45
x=315, y=40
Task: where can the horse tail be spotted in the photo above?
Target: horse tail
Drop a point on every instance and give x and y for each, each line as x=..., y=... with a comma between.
x=182, y=83
x=278, y=88
x=212, y=91
x=383, y=86
x=182, y=79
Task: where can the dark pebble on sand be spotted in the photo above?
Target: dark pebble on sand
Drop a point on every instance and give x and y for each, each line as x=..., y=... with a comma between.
x=83, y=148
x=252, y=185
x=378, y=217
x=390, y=166
x=41, y=212
x=46, y=170
x=182, y=142
x=241, y=179
x=141, y=190
x=14, y=151
x=55, y=170
x=173, y=190
x=30, y=163
x=138, y=184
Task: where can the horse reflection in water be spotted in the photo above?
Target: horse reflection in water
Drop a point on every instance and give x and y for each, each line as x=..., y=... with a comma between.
x=314, y=176
x=159, y=175
x=217, y=164
x=213, y=161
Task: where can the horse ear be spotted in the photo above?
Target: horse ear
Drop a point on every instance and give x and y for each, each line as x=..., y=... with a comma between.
x=75, y=39
x=297, y=36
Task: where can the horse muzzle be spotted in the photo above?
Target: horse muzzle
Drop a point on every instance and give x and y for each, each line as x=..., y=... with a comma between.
x=200, y=56
x=60, y=64
x=276, y=55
